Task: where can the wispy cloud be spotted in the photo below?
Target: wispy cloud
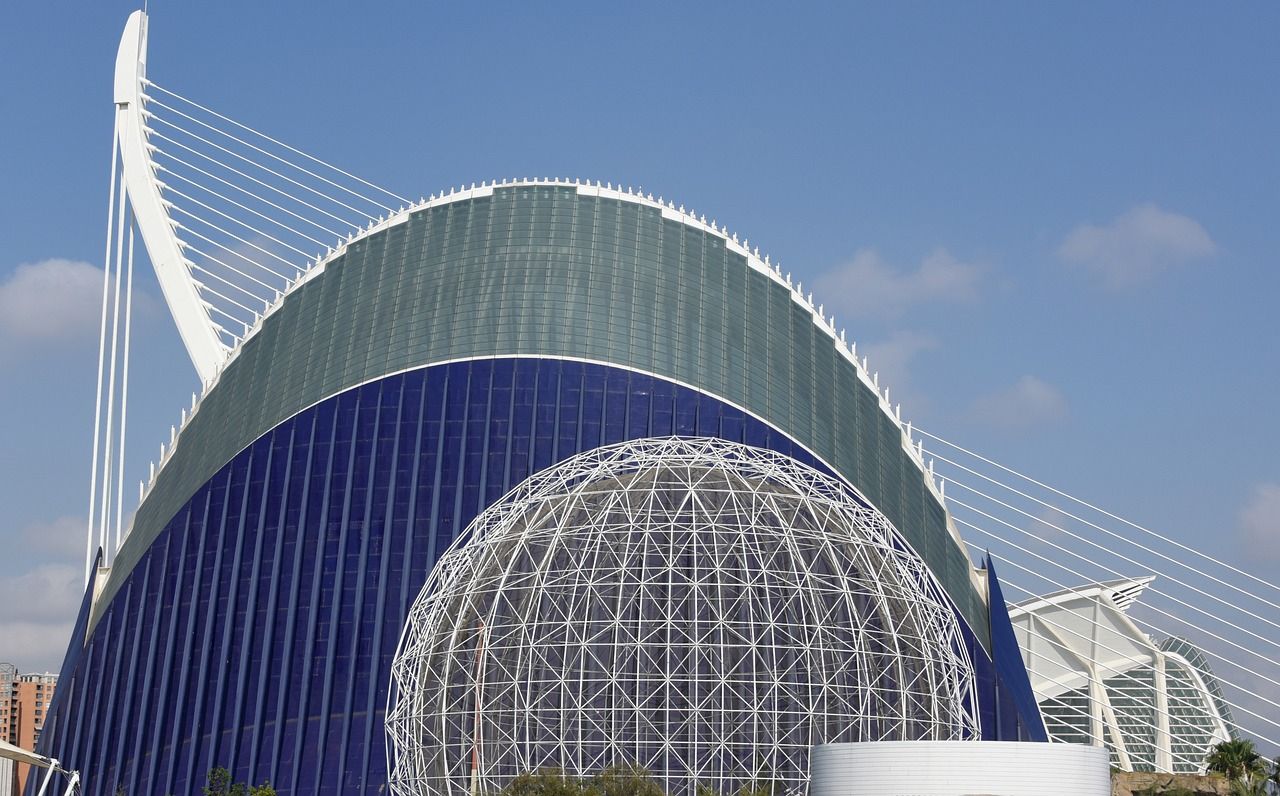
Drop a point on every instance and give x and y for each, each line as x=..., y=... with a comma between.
x=44, y=595
x=892, y=359
x=867, y=286
x=1028, y=402
x=51, y=300
x=63, y=537
x=1260, y=523
x=1137, y=246
x=58, y=586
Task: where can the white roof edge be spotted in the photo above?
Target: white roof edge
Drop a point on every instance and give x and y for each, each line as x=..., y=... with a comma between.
x=1088, y=591
x=669, y=211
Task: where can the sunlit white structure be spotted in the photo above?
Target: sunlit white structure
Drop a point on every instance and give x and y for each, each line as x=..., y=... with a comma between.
x=702, y=608
x=954, y=768
x=1100, y=679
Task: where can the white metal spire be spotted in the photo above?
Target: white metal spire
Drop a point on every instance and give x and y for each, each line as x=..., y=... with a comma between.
x=191, y=314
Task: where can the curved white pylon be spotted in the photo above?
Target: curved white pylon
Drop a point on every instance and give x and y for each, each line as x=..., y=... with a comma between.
x=190, y=313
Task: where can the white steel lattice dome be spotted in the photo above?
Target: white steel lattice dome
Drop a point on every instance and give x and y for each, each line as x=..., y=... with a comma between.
x=698, y=607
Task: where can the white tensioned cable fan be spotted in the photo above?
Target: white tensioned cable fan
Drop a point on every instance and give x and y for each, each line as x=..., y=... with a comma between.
x=703, y=609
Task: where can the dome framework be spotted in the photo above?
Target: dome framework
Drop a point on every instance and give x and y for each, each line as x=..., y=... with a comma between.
x=703, y=609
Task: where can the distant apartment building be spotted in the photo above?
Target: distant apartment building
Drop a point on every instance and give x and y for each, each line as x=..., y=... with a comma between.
x=24, y=703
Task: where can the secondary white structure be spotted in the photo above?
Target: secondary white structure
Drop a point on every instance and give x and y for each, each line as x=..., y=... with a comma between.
x=942, y=768
x=704, y=609
x=1099, y=679
x=10, y=754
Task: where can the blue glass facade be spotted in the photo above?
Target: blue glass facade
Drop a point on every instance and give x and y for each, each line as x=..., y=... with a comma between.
x=257, y=631
x=250, y=619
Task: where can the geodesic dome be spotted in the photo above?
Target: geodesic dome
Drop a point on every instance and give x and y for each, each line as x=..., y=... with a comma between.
x=698, y=607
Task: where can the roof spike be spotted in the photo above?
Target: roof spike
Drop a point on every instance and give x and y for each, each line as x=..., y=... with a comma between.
x=897, y=411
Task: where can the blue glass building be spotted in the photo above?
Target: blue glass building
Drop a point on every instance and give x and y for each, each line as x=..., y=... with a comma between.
x=409, y=381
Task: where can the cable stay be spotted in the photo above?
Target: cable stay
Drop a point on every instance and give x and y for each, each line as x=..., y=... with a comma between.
x=1050, y=549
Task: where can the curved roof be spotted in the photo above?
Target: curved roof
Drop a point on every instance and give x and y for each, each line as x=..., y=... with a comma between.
x=496, y=270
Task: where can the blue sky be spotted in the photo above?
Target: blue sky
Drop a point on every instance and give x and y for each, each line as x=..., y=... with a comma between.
x=1052, y=228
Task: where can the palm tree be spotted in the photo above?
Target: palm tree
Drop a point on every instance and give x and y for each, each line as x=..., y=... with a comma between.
x=1238, y=760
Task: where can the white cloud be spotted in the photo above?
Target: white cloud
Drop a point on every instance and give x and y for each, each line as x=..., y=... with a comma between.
x=35, y=646
x=892, y=358
x=1260, y=523
x=64, y=536
x=1029, y=402
x=42, y=601
x=1137, y=245
x=868, y=286
x=46, y=592
x=51, y=300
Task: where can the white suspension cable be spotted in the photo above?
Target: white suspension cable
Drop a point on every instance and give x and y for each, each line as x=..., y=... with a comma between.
x=1124, y=558
x=234, y=237
x=1117, y=573
x=102, y=352
x=1173, y=699
x=1112, y=534
x=276, y=142
x=124, y=392
x=247, y=192
x=1058, y=584
x=1234, y=705
x=1104, y=512
x=272, y=155
x=197, y=267
x=267, y=169
x=1170, y=717
x=161, y=168
x=230, y=217
x=252, y=178
x=184, y=228
x=229, y=300
x=105, y=512
x=215, y=308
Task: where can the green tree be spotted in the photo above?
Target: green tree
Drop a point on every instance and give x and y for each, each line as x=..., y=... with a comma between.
x=219, y=783
x=1238, y=760
x=624, y=780
x=543, y=782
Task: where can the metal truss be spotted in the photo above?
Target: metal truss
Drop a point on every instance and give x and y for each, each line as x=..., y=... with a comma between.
x=701, y=608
